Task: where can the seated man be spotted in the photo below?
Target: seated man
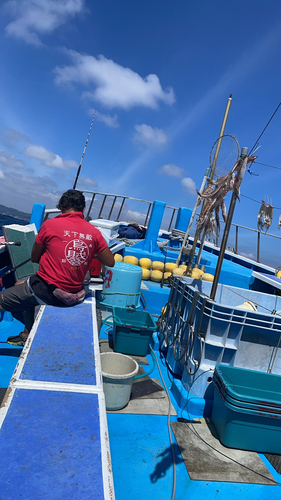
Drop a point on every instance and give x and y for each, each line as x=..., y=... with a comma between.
x=64, y=249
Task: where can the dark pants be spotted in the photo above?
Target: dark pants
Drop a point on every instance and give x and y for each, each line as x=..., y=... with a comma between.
x=20, y=302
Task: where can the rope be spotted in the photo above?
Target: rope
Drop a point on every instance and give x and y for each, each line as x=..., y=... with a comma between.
x=169, y=428
x=257, y=141
x=275, y=208
x=265, y=165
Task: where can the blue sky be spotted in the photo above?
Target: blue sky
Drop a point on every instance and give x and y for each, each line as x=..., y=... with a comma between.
x=159, y=74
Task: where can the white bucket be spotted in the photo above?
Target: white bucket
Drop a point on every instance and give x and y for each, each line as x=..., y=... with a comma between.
x=118, y=372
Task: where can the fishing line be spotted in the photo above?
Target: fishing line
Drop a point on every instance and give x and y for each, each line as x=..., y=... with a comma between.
x=257, y=141
x=275, y=208
x=265, y=165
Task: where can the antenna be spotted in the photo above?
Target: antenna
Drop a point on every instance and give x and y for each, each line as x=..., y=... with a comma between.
x=82, y=158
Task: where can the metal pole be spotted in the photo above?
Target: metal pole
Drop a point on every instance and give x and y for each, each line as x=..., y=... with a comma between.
x=148, y=212
x=214, y=164
x=121, y=207
x=85, y=147
x=102, y=205
x=90, y=207
x=112, y=207
x=236, y=240
x=258, y=249
x=227, y=228
x=196, y=237
x=173, y=214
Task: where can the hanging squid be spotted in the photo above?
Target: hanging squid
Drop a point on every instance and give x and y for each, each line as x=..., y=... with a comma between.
x=265, y=217
x=214, y=197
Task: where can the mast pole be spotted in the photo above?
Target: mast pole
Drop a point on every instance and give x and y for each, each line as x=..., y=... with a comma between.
x=83, y=154
x=213, y=166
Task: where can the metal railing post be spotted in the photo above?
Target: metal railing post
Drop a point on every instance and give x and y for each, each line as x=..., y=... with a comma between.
x=111, y=210
x=258, y=249
x=148, y=213
x=90, y=206
x=121, y=208
x=102, y=205
x=169, y=228
x=236, y=240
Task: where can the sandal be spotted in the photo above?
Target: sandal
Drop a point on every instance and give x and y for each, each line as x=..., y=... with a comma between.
x=18, y=340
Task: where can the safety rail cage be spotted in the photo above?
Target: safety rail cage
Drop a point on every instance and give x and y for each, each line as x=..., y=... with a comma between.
x=109, y=204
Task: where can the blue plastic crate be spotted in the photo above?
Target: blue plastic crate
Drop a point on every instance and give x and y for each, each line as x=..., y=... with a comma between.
x=132, y=331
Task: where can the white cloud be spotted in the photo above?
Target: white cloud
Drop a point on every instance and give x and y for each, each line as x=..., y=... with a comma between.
x=10, y=161
x=33, y=17
x=26, y=190
x=171, y=170
x=86, y=181
x=11, y=136
x=189, y=185
x=112, y=84
x=150, y=136
x=48, y=158
x=110, y=121
x=133, y=215
x=2, y=176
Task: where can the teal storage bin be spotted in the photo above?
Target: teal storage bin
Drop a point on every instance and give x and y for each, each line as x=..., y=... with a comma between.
x=245, y=429
x=132, y=331
x=249, y=386
x=246, y=409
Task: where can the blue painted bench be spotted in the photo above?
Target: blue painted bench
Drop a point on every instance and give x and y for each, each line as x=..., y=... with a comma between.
x=53, y=436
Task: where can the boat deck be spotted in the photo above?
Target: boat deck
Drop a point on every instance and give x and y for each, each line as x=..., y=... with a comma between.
x=55, y=433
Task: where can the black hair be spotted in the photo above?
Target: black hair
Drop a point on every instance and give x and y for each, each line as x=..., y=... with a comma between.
x=72, y=199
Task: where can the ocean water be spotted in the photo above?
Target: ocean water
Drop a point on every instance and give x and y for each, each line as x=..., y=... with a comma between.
x=6, y=219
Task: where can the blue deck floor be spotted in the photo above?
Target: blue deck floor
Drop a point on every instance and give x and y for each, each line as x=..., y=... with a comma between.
x=31, y=467
x=142, y=466
x=142, y=459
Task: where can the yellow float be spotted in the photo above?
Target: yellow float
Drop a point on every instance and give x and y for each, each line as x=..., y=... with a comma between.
x=145, y=273
x=207, y=277
x=183, y=266
x=248, y=305
x=118, y=257
x=167, y=275
x=157, y=266
x=156, y=276
x=195, y=274
x=169, y=266
x=145, y=263
x=130, y=259
x=178, y=271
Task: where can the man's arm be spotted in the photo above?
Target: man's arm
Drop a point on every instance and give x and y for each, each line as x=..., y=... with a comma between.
x=37, y=252
x=106, y=257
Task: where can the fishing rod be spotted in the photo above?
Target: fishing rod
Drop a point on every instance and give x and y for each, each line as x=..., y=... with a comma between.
x=86, y=144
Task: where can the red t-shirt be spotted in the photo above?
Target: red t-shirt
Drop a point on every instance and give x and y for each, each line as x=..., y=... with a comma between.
x=70, y=243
